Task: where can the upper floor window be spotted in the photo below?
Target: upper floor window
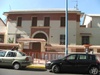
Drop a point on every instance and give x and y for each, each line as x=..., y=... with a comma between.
x=34, y=21
x=47, y=21
x=62, y=39
x=85, y=40
x=19, y=21
x=62, y=22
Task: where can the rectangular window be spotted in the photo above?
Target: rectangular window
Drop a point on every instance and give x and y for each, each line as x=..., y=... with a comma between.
x=62, y=22
x=47, y=21
x=1, y=38
x=17, y=37
x=34, y=21
x=85, y=40
x=19, y=21
x=62, y=39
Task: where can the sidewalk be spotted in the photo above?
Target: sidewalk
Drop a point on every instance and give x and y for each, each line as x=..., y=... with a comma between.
x=36, y=66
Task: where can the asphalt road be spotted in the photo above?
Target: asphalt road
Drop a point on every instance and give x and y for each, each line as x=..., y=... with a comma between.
x=9, y=71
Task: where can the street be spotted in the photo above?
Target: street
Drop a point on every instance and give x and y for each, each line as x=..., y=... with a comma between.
x=9, y=71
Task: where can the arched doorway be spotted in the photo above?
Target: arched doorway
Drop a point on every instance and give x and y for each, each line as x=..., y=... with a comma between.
x=40, y=35
x=36, y=46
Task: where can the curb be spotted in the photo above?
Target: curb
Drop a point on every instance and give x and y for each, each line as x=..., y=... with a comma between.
x=36, y=66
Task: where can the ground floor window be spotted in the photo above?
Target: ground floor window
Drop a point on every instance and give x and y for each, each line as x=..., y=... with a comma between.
x=1, y=38
x=62, y=39
x=85, y=40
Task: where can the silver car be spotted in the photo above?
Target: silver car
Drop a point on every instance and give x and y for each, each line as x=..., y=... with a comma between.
x=14, y=58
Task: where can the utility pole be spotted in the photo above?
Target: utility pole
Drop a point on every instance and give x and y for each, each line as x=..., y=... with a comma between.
x=66, y=30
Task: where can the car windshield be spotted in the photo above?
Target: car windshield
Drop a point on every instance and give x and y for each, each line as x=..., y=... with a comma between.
x=2, y=53
x=23, y=54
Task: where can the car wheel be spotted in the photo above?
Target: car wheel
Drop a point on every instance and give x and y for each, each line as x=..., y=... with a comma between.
x=55, y=69
x=93, y=71
x=16, y=66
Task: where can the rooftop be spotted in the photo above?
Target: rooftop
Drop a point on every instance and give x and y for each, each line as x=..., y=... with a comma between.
x=35, y=11
x=94, y=15
x=41, y=11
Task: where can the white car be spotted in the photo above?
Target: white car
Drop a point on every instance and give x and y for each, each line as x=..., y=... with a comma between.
x=14, y=58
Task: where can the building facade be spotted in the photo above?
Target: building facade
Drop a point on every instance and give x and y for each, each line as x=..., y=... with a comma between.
x=51, y=26
x=45, y=24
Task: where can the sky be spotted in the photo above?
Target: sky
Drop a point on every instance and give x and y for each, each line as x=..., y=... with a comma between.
x=7, y=5
x=86, y=6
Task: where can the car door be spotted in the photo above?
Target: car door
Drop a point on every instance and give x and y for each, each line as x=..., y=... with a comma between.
x=9, y=58
x=82, y=62
x=69, y=63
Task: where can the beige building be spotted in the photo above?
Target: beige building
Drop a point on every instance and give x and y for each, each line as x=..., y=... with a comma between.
x=50, y=25
x=2, y=31
x=45, y=24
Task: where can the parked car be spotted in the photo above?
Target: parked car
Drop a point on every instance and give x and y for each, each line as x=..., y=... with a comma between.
x=83, y=63
x=14, y=58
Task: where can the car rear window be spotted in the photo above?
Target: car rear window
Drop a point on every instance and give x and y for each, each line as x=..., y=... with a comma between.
x=91, y=57
x=23, y=54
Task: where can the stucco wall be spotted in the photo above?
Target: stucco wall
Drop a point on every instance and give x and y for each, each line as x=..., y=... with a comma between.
x=56, y=31
x=95, y=22
x=72, y=32
x=25, y=30
x=13, y=29
x=3, y=29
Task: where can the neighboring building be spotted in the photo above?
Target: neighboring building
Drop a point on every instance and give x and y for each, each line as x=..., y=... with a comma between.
x=2, y=31
x=91, y=31
x=50, y=25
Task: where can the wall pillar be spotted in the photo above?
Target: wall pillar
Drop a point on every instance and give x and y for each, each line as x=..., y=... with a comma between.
x=87, y=48
x=69, y=50
x=94, y=50
x=43, y=46
x=21, y=44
